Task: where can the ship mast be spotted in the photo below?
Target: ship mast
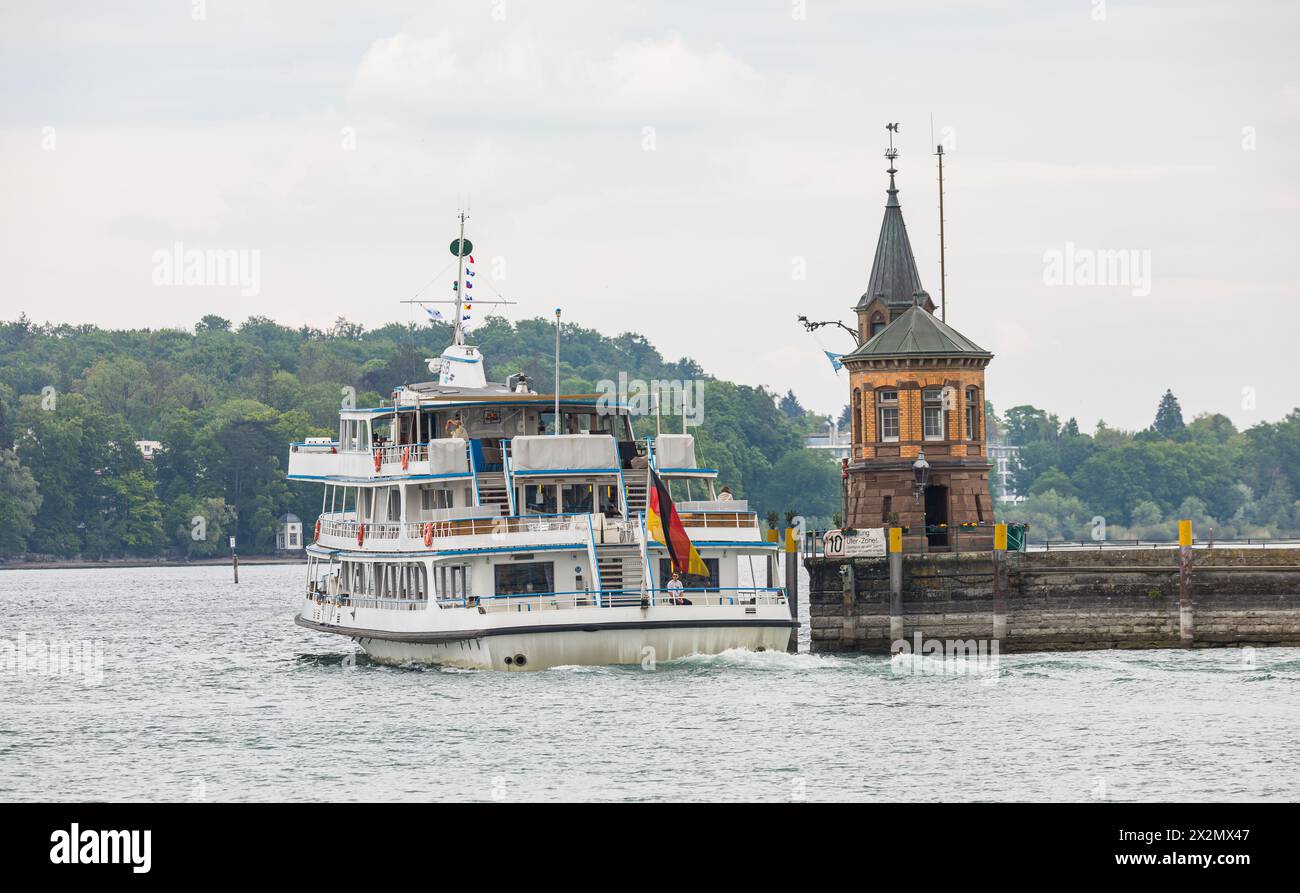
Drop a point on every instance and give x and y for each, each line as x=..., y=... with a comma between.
x=461, y=249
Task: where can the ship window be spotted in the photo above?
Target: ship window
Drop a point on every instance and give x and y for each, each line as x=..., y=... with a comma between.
x=526, y=578
x=453, y=581
x=539, y=499
x=576, y=498
x=608, y=496
x=690, y=581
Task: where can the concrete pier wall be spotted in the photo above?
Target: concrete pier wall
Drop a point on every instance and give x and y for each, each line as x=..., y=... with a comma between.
x=1113, y=598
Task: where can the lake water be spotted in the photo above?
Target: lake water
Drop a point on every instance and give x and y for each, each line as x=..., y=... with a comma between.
x=208, y=691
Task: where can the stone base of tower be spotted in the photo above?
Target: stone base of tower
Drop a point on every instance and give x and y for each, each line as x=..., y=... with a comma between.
x=956, y=494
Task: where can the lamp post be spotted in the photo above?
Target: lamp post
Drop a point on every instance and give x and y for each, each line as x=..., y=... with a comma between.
x=920, y=475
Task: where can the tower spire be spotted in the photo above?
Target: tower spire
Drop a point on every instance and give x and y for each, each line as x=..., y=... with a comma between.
x=892, y=154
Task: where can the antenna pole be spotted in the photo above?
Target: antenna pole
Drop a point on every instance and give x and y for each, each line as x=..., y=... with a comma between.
x=943, y=278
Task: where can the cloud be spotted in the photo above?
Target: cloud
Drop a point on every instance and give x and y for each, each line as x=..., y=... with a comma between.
x=457, y=76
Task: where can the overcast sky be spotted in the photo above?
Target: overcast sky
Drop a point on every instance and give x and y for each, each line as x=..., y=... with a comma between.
x=669, y=167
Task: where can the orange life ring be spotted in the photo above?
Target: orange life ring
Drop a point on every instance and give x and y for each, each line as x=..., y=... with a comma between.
x=428, y=534
x=378, y=461
x=406, y=457
x=318, y=530
x=361, y=534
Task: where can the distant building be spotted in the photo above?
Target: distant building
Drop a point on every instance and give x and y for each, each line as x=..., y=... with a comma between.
x=832, y=442
x=1004, y=457
x=288, y=534
x=148, y=448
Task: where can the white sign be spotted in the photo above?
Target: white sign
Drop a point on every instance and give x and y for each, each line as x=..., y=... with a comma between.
x=232, y=542
x=867, y=543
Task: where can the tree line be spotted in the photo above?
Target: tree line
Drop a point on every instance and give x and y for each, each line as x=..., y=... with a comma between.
x=225, y=401
x=1117, y=484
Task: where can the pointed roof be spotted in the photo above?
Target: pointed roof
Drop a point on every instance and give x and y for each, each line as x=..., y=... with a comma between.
x=917, y=332
x=894, y=277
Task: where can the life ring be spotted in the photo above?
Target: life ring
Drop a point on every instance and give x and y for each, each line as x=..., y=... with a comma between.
x=318, y=530
x=378, y=461
x=428, y=534
x=406, y=457
x=361, y=534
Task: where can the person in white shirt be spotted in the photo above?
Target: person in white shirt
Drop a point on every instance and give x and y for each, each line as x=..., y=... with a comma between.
x=675, y=591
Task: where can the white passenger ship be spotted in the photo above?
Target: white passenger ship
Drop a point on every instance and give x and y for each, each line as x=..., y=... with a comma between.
x=467, y=524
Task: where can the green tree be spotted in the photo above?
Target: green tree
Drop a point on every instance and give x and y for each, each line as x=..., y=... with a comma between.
x=1169, y=416
x=19, y=501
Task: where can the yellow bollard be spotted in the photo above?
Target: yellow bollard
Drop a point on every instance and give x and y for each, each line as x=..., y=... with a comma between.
x=1184, y=533
x=1000, y=537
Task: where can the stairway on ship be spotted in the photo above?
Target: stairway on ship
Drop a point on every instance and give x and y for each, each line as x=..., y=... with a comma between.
x=492, y=490
x=620, y=574
x=636, y=481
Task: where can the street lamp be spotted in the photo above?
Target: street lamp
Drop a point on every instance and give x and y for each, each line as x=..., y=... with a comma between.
x=920, y=474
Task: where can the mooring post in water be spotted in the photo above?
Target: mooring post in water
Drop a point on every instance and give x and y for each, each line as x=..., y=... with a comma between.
x=999, y=582
x=895, y=585
x=1186, y=616
x=792, y=585
x=234, y=560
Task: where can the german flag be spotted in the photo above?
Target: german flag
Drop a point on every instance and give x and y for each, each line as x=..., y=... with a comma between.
x=667, y=528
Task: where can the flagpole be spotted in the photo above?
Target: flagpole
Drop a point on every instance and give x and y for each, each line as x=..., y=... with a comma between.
x=557, y=370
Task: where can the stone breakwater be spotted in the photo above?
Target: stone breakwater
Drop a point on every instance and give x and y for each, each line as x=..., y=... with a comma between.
x=1049, y=601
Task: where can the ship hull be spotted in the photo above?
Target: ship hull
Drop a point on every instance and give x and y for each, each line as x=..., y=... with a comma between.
x=643, y=640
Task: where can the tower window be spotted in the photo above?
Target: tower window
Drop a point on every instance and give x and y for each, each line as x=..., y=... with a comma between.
x=888, y=415
x=877, y=323
x=932, y=416
x=972, y=414
x=857, y=415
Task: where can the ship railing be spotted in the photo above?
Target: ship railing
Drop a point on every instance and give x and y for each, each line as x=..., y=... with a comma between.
x=744, y=519
x=505, y=524
x=528, y=602
x=347, y=600
x=391, y=454
x=414, y=531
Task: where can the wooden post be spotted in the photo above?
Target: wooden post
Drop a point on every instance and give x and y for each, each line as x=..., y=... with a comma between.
x=896, y=630
x=999, y=583
x=1186, y=615
x=792, y=586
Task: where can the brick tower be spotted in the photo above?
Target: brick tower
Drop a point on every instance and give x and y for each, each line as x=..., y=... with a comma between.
x=916, y=390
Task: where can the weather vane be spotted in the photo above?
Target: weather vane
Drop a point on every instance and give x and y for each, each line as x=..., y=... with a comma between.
x=891, y=153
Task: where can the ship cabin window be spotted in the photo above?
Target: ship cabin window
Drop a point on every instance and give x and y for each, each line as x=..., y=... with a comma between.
x=391, y=580
x=887, y=414
x=932, y=414
x=972, y=414
x=453, y=581
x=354, y=435
x=540, y=499
x=690, y=581
x=577, y=498
x=525, y=578
x=607, y=500
x=381, y=431
x=434, y=498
